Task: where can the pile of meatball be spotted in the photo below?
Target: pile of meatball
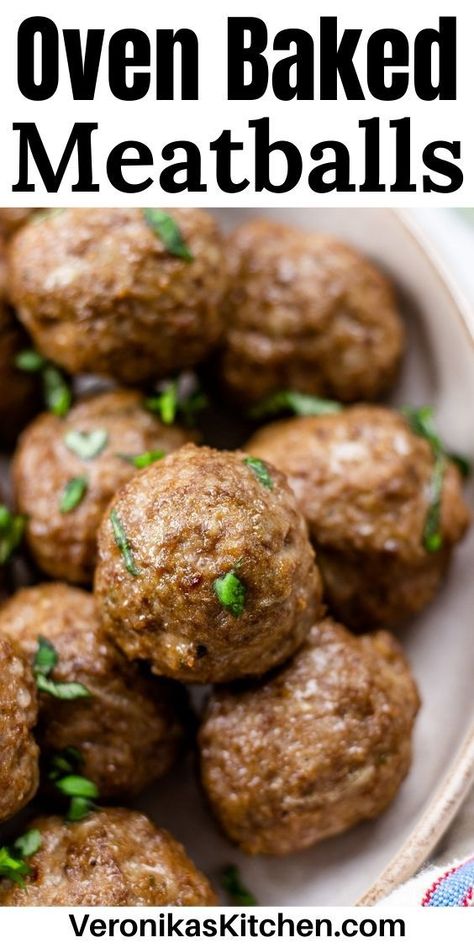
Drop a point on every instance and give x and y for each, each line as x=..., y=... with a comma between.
x=152, y=560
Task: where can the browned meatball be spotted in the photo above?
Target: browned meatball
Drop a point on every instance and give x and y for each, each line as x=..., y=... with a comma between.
x=118, y=425
x=306, y=312
x=129, y=730
x=18, y=713
x=113, y=857
x=100, y=292
x=205, y=570
x=363, y=480
x=11, y=218
x=319, y=746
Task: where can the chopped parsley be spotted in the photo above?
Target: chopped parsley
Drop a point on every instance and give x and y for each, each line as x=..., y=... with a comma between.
x=140, y=461
x=231, y=593
x=30, y=361
x=12, y=858
x=11, y=533
x=44, y=663
x=29, y=843
x=80, y=791
x=56, y=390
x=86, y=444
x=166, y=228
x=233, y=885
x=73, y=494
x=295, y=402
x=432, y=534
x=421, y=422
x=123, y=544
x=260, y=470
x=169, y=403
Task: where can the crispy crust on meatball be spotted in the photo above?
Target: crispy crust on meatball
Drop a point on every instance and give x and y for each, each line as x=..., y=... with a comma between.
x=11, y=218
x=99, y=291
x=362, y=480
x=189, y=521
x=18, y=713
x=306, y=312
x=130, y=730
x=113, y=857
x=64, y=545
x=319, y=746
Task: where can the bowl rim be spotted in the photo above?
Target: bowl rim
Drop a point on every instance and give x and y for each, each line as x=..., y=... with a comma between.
x=451, y=791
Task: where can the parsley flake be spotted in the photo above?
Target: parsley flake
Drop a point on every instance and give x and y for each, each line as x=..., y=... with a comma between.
x=80, y=791
x=421, y=422
x=56, y=390
x=12, y=858
x=140, y=461
x=166, y=228
x=169, y=403
x=86, y=444
x=123, y=544
x=260, y=470
x=432, y=534
x=231, y=593
x=44, y=663
x=30, y=361
x=11, y=533
x=73, y=494
x=296, y=402
x=232, y=883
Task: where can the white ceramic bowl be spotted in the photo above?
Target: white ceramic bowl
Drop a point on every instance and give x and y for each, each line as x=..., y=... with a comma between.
x=439, y=369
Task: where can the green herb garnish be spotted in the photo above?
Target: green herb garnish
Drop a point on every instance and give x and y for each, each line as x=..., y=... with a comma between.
x=168, y=231
x=141, y=461
x=44, y=663
x=56, y=391
x=296, y=402
x=432, y=535
x=168, y=404
x=79, y=807
x=46, y=657
x=12, y=858
x=73, y=494
x=86, y=444
x=233, y=885
x=73, y=785
x=80, y=791
x=28, y=844
x=64, y=690
x=30, y=361
x=11, y=533
x=123, y=544
x=421, y=421
x=260, y=470
x=231, y=592
x=66, y=762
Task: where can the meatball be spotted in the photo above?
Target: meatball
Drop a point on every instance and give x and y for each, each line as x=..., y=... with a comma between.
x=205, y=568
x=97, y=442
x=319, y=746
x=129, y=730
x=306, y=312
x=19, y=393
x=100, y=291
x=11, y=218
x=113, y=857
x=18, y=749
x=363, y=481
